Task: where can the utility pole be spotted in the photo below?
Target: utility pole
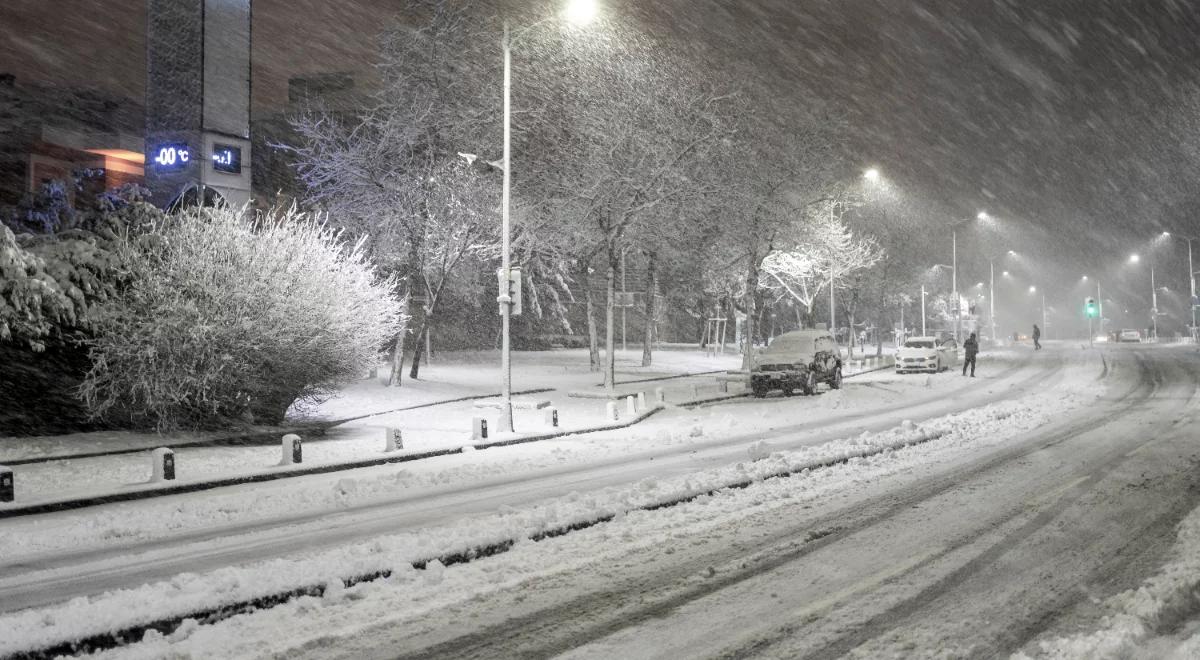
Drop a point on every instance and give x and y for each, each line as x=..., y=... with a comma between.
x=624, y=300
x=992, y=297
x=506, y=412
x=923, y=311
x=954, y=283
x=1153, y=304
x=1045, y=329
x=1100, y=306
x=832, y=313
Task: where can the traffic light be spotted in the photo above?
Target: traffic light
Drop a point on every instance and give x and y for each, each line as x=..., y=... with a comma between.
x=511, y=291
x=1090, y=309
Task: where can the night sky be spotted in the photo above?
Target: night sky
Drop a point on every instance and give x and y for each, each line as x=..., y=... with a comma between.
x=1068, y=120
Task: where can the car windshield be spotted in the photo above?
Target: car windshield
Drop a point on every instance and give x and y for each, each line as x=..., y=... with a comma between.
x=918, y=344
x=790, y=345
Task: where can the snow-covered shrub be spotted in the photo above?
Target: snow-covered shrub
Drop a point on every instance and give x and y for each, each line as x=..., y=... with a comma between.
x=51, y=278
x=231, y=317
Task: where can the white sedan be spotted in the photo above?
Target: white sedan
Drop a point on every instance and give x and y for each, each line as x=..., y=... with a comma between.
x=926, y=354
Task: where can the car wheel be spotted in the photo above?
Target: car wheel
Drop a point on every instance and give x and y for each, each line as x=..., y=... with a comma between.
x=836, y=382
x=788, y=390
x=759, y=388
x=810, y=383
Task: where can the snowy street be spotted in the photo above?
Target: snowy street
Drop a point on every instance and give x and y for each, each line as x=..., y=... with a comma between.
x=1055, y=483
x=599, y=330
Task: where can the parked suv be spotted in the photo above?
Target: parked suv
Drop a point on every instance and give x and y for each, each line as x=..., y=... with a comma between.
x=797, y=360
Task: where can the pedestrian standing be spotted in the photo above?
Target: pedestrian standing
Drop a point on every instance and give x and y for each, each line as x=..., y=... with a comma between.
x=971, y=348
x=1037, y=334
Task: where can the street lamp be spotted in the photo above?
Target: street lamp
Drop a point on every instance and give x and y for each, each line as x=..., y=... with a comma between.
x=1191, y=277
x=579, y=12
x=1133, y=259
x=871, y=175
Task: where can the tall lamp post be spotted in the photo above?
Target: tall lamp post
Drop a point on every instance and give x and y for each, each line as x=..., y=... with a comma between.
x=580, y=12
x=1133, y=259
x=1191, y=277
x=982, y=215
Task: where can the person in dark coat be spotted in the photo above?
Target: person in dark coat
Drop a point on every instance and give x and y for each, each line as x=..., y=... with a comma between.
x=971, y=348
x=1037, y=334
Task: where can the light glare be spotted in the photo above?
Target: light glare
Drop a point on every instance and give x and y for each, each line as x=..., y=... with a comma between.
x=581, y=12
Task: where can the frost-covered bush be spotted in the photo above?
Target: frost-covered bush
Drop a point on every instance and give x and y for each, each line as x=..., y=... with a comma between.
x=228, y=317
x=49, y=285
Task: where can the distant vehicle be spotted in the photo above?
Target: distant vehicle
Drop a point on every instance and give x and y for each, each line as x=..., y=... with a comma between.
x=926, y=354
x=1130, y=335
x=797, y=360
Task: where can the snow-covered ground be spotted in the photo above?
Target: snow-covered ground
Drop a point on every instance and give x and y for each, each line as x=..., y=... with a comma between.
x=768, y=435
x=436, y=427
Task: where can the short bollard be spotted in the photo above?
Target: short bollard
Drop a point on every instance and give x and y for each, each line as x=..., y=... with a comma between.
x=479, y=428
x=292, y=450
x=610, y=411
x=7, y=490
x=552, y=417
x=163, y=468
x=641, y=400
x=659, y=395
x=395, y=441
x=630, y=405
x=723, y=386
x=695, y=391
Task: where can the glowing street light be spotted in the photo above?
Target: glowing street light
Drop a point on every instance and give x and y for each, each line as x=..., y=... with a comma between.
x=871, y=175
x=1133, y=258
x=1033, y=289
x=578, y=12
x=581, y=12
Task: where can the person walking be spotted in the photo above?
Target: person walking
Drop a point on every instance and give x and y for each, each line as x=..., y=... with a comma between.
x=1037, y=334
x=971, y=348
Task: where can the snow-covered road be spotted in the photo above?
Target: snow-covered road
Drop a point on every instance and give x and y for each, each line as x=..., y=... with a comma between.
x=1052, y=483
x=971, y=558
x=60, y=556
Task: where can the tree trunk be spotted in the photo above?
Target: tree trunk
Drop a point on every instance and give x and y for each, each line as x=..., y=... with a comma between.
x=751, y=290
x=648, y=335
x=853, y=333
x=610, y=290
x=397, y=359
x=419, y=344
x=593, y=334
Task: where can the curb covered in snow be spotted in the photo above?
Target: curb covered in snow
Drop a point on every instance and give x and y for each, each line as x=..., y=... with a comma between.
x=910, y=435
x=152, y=491
x=263, y=436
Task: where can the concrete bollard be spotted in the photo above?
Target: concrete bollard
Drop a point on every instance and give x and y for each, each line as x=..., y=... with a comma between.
x=163, y=466
x=393, y=439
x=7, y=489
x=610, y=411
x=479, y=429
x=292, y=452
x=660, y=397
x=641, y=400
x=695, y=391
x=723, y=386
x=552, y=417
x=630, y=405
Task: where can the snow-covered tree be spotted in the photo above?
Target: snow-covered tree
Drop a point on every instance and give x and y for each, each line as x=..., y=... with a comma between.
x=410, y=171
x=226, y=317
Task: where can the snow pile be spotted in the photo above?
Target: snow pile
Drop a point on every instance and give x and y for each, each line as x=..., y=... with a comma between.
x=1141, y=615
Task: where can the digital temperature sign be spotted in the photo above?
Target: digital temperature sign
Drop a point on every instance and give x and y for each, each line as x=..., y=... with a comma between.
x=172, y=156
x=227, y=158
